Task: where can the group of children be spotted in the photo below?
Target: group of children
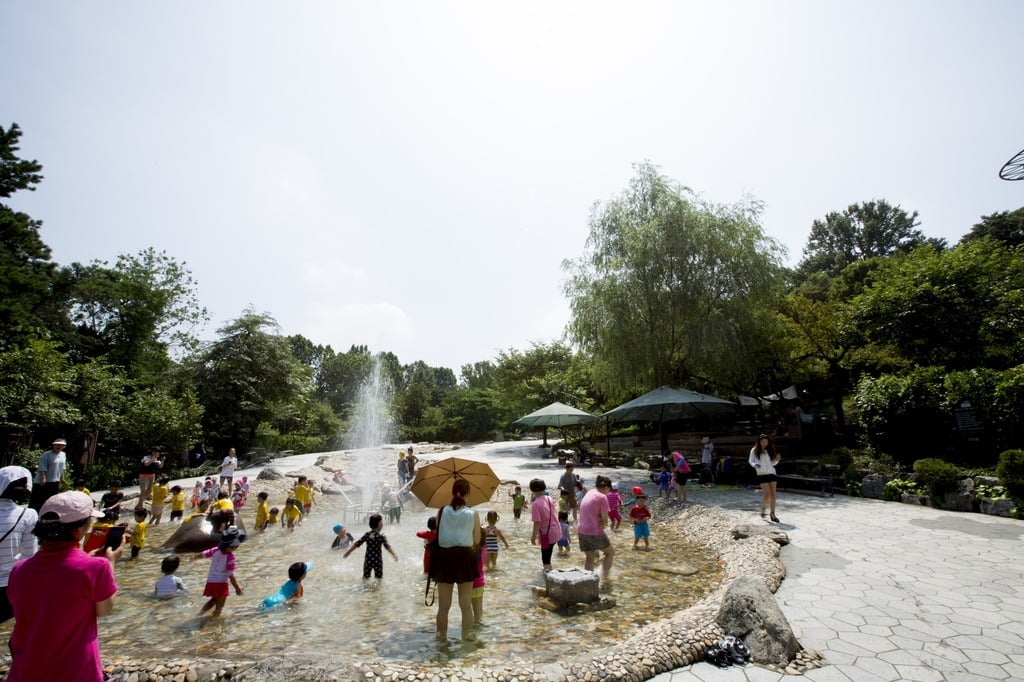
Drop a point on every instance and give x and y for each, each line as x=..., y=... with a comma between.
x=300, y=502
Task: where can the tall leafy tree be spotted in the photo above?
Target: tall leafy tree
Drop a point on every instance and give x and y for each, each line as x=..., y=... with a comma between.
x=242, y=376
x=668, y=284
x=136, y=313
x=862, y=231
x=1005, y=226
x=956, y=309
x=25, y=267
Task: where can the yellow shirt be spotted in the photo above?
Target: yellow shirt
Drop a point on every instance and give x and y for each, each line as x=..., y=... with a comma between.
x=85, y=490
x=262, y=514
x=160, y=493
x=222, y=505
x=272, y=519
x=193, y=516
x=178, y=502
x=139, y=534
x=302, y=494
x=291, y=513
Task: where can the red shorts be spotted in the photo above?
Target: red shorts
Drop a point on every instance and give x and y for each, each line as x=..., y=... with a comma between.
x=216, y=590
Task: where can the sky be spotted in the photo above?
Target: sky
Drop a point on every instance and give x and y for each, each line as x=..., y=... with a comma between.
x=411, y=176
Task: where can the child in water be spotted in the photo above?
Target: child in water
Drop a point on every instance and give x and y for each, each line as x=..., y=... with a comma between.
x=428, y=536
x=614, y=507
x=640, y=516
x=563, y=543
x=177, y=503
x=170, y=585
x=139, y=531
x=518, y=502
x=342, y=538
x=222, y=570
x=374, y=540
x=491, y=537
x=292, y=589
x=262, y=512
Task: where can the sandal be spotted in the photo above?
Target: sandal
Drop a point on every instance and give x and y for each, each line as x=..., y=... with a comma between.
x=775, y=518
x=762, y=513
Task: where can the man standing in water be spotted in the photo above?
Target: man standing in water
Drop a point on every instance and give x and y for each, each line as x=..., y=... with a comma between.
x=52, y=467
x=568, y=482
x=227, y=469
x=593, y=521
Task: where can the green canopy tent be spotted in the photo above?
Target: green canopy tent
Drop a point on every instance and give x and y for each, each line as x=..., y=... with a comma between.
x=669, y=404
x=556, y=414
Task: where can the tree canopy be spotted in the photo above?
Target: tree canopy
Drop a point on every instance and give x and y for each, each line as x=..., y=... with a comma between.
x=862, y=231
x=669, y=285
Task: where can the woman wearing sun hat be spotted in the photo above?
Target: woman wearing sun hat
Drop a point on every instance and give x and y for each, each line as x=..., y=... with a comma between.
x=16, y=524
x=57, y=595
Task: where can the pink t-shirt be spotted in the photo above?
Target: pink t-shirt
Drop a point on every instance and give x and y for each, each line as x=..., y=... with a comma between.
x=544, y=512
x=590, y=513
x=54, y=595
x=222, y=565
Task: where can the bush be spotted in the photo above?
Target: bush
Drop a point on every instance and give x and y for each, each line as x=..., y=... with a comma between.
x=1010, y=471
x=894, y=489
x=938, y=476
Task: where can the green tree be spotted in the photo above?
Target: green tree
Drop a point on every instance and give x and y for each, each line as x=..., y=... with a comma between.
x=862, y=231
x=136, y=313
x=26, y=271
x=668, y=285
x=958, y=309
x=37, y=387
x=1006, y=227
x=242, y=377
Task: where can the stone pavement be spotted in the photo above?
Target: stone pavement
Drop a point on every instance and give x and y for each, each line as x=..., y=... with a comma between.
x=889, y=591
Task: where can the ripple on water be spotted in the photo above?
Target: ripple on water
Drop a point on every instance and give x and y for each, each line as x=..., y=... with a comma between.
x=343, y=614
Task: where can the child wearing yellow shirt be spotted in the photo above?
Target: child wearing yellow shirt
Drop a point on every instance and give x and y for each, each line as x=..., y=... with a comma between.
x=291, y=515
x=262, y=512
x=139, y=531
x=177, y=503
x=302, y=495
x=160, y=493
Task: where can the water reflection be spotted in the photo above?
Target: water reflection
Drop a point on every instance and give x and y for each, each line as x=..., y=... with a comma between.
x=343, y=614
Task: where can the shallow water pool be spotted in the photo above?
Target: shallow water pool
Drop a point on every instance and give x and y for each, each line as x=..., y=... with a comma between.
x=341, y=613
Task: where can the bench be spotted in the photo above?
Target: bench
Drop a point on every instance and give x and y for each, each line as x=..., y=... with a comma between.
x=797, y=482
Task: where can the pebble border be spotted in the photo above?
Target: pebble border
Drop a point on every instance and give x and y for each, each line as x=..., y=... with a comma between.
x=668, y=644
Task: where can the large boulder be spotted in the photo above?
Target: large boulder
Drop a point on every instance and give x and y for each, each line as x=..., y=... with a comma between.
x=749, y=610
x=750, y=530
x=872, y=485
x=270, y=474
x=961, y=500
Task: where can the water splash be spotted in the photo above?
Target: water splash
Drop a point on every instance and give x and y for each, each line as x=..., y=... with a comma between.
x=371, y=427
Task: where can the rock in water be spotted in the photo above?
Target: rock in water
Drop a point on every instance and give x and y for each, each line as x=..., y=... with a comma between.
x=196, y=535
x=269, y=474
x=678, y=569
x=749, y=610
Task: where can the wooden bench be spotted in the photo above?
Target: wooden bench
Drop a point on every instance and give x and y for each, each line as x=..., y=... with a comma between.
x=797, y=482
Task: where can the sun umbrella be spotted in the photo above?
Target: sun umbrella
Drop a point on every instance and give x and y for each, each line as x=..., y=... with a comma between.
x=433, y=482
x=556, y=414
x=667, y=404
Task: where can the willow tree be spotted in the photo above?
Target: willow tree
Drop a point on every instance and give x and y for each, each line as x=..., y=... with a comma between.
x=670, y=286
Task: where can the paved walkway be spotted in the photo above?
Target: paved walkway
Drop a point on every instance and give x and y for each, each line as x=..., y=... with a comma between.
x=888, y=591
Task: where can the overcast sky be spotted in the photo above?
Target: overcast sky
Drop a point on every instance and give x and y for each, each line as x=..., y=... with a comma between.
x=410, y=175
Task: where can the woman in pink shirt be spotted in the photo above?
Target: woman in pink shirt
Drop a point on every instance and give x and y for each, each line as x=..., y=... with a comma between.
x=57, y=595
x=593, y=521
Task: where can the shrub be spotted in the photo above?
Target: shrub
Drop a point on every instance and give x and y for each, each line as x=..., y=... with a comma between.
x=938, y=476
x=1010, y=471
x=894, y=489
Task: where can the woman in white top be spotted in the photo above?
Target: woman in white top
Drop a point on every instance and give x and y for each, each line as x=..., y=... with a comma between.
x=764, y=458
x=456, y=560
x=16, y=524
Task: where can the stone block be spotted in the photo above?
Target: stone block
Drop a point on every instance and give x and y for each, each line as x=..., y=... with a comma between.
x=996, y=507
x=873, y=484
x=572, y=585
